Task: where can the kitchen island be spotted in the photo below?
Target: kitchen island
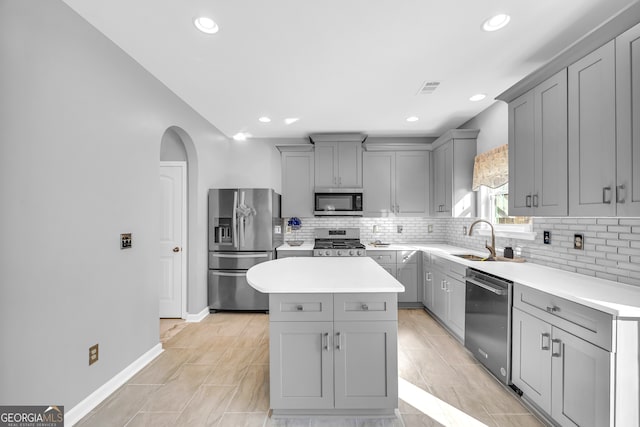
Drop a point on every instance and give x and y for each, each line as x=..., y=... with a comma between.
x=333, y=335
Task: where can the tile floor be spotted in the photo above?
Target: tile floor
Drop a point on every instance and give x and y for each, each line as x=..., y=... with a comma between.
x=216, y=373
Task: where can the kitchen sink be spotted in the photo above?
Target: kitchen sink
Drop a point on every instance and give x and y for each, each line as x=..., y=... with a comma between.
x=472, y=257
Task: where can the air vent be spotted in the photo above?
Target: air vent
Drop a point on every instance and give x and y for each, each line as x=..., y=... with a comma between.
x=428, y=88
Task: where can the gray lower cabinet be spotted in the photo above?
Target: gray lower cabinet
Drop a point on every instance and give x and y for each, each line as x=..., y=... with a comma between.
x=447, y=294
x=427, y=281
x=285, y=253
x=333, y=353
x=404, y=266
x=301, y=365
x=565, y=376
x=561, y=358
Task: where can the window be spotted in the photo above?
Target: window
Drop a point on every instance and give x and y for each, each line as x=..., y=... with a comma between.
x=494, y=207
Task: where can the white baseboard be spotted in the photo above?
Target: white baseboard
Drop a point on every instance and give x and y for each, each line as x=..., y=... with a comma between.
x=76, y=413
x=195, y=318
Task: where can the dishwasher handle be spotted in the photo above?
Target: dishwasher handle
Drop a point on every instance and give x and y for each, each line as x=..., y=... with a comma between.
x=495, y=290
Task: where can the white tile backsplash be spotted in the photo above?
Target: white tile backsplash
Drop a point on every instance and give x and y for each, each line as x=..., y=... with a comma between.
x=611, y=245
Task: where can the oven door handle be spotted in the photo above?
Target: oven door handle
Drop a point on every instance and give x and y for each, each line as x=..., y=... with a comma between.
x=497, y=291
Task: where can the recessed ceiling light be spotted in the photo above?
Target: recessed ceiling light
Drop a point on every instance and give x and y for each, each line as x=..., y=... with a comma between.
x=206, y=25
x=290, y=120
x=264, y=119
x=412, y=119
x=496, y=22
x=241, y=136
x=478, y=97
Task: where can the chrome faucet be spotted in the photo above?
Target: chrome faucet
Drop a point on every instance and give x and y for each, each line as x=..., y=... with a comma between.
x=492, y=248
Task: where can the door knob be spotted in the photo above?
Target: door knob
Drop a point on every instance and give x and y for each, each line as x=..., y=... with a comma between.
x=176, y=249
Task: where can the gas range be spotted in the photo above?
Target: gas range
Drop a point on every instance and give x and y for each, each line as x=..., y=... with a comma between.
x=331, y=242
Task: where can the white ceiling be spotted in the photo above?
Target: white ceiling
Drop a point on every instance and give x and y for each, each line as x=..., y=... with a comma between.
x=341, y=65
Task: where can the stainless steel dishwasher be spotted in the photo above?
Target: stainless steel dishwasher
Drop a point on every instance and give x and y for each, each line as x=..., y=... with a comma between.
x=488, y=322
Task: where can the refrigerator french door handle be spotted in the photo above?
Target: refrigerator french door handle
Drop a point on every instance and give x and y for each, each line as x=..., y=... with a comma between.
x=242, y=221
x=245, y=255
x=226, y=273
x=235, y=220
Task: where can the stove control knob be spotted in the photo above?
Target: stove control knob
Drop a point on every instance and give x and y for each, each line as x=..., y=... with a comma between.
x=359, y=252
x=318, y=253
x=350, y=253
x=327, y=253
x=339, y=253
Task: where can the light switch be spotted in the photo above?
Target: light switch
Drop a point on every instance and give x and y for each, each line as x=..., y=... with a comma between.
x=125, y=241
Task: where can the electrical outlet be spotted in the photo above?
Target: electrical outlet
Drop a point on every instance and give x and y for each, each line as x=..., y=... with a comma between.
x=125, y=241
x=430, y=228
x=547, y=237
x=375, y=228
x=93, y=354
x=464, y=230
x=578, y=241
x=399, y=229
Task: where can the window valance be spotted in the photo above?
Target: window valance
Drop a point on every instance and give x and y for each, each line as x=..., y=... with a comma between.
x=491, y=168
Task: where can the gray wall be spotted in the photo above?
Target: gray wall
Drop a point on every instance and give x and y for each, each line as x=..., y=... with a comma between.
x=493, y=124
x=80, y=128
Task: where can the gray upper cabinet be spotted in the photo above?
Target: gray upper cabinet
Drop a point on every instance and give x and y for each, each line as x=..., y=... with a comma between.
x=453, y=158
x=628, y=123
x=297, y=183
x=592, y=134
x=396, y=183
x=338, y=163
x=538, y=181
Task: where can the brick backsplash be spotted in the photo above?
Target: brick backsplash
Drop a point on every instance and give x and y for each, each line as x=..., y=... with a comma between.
x=611, y=245
x=611, y=248
x=414, y=229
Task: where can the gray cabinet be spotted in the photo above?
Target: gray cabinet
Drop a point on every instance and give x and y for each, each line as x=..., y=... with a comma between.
x=338, y=163
x=363, y=374
x=592, y=134
x=453, y=159
x=284, y=253
x=561, y=359
x=396, y=183
x=297, y=182
x=404, y=266
x=448, y=294
x=538, y=150
x=301, y=366
x=427, y=281
x=407, y=266
x=333, y=353
x=628, y=122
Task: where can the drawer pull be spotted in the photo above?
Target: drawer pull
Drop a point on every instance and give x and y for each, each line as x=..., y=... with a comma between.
x=553, y=309
x=544, y=337
x=365, y=307
x=555, y=353
x=299, y=307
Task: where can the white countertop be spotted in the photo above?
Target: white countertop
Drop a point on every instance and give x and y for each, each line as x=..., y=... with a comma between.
x=322, y=275
x=615, y=298
x=306, y=246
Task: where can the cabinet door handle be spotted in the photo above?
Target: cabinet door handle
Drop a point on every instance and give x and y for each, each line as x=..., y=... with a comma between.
x=427, y=276
x=338, y=341
x=606, y=200
x=299, y=307
x=555, y=353
x=442, y=285
x=527, y=201
x=544, y=341
x=619, y=189
x=325, y=339
x=397, y=208
x=535, y=200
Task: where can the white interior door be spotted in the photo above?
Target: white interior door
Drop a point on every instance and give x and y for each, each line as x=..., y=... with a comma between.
x=172, y=239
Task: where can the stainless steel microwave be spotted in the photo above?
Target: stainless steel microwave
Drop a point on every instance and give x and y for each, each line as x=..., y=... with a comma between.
x=338, y=202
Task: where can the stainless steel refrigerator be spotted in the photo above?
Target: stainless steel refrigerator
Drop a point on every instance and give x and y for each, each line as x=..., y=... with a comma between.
x=244, y=229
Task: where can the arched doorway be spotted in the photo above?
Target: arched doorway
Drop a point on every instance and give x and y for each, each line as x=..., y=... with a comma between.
x=177, y=183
